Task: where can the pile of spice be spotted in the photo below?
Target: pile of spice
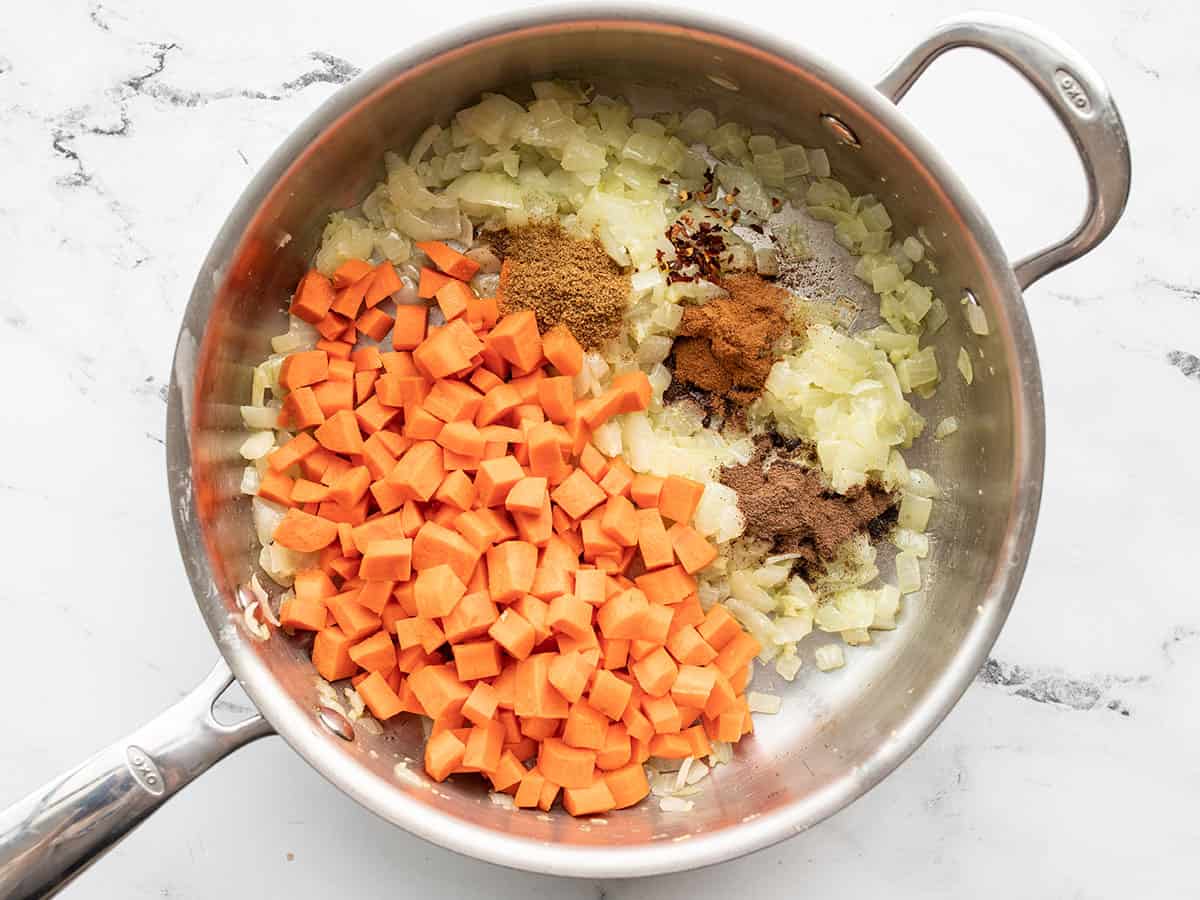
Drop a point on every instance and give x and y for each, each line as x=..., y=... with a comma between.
x=725, y=348
x=790, y=506
x=565, y=280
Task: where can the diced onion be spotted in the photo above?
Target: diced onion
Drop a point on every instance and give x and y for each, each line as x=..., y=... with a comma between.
x=763, y=703
x=829, y=656
x=908, y=572
x=946, y=427
x=257, y=445
x=977, y=319
x=964, y=365
x=914, y=511
x=260, y=417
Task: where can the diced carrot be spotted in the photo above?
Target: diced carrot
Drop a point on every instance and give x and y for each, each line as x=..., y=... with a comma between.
x=373, y=415
x=634, y=388
x=314, y=295
x=563, y=351
x=618, y=478
x=313, y=584
x=339, y=433
x=670, y=585
x=439, y=690
x=348, y=299
x=471, y=617
x=617, y=749
x=303, y=368
x=679, y=497
x=588, y=801
x=578, y=494
x=530, y=790
x=384, y=283
x=514, y=633
x=420, y=470
x=453, y=401
x=374, y=323
x=387, y=560
x=609, y=694
x=569, y=767
x=653, y=542
x=355, y=620
x=645, y=491
x=736, y=653
x=719, y=627
x=627, y=785
x=435, y=544
x=301, y=409
x=337, y=369
x=495, y=478
x=364, y=385
x=516, y=339
x=511, y=568
x=689, y=648
x=377, y=694
x=694, y=685
x=420, y=632
x=655, y=672
x=670, y=746
x=497, y=403
x=366, y=358
x=376, y=653
x=430, y=281
x=569, y=674
x=622, y=615
x=351, y=271
x=334, y=396
x=350, y=487
x=276, y=487
x=539, y=728
x=437, y=591
x=620, y=521
x=508, y=773
x=694, y=551
x=571, y=616
x=663, y=714
x=303, y=532
x=408, y=328
x=449, y=260
x=549, y=794
x=331, y=654
x=441, y=354
x=335, y=349
x=483, y=747
x=557, y=396
x=480, y=707
x=375, y=596
x=453, y=297
x=589, y=586
x=586, y=727
x=478, y=659
x=526, y=496
x=303, y=614
x=443, y=754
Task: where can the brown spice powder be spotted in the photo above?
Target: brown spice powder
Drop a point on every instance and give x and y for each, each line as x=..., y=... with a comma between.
x=564, y=280
x=725, y=346
x=790, y=506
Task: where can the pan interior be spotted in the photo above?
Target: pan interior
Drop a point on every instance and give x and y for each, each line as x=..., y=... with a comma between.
x=837, y=733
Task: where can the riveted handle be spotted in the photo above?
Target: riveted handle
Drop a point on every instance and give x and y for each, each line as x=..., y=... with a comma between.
x=1078, y=96
x=67, y=824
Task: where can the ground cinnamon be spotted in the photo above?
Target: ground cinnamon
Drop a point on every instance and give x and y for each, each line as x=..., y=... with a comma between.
x=789, y=505
x=564, y=280
x=725, y=346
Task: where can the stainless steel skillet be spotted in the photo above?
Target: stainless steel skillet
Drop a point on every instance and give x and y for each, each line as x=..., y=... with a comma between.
x=841, y=734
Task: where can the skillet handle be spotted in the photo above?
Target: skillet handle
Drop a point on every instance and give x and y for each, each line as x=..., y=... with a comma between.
x=67, y=824
x=1078, y=96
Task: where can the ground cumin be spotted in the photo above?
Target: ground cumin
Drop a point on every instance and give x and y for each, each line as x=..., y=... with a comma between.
x=564, y=280
x=790, y=506
x=724, y=347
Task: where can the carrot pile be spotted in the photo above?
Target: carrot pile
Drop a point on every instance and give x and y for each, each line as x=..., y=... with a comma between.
x=481, y=562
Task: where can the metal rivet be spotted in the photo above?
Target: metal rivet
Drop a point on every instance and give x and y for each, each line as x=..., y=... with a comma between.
x=335, y=722
x=841, y=130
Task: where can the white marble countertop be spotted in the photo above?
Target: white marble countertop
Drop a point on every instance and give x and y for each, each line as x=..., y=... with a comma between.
x=1070, y=769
